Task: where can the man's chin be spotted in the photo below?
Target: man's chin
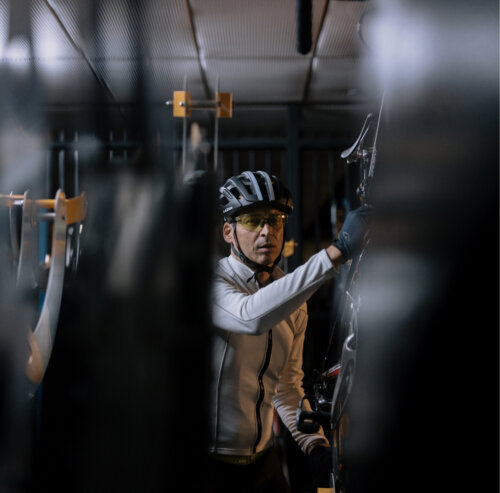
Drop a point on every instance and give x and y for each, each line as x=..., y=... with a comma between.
x=266, y=260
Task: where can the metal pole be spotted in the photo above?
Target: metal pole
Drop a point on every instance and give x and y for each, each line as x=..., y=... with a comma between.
x=76, y=191
x=292, y=172
x=315, y=170
x=216, y=129
x=184, y=131
x=61, y=163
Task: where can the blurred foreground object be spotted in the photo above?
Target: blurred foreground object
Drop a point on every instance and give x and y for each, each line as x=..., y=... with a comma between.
x=25, y=253
x=429, y=301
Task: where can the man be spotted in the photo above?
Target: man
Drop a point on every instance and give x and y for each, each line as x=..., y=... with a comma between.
x=260, y=318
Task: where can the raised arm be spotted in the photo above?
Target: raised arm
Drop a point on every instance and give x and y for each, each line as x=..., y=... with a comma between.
x=239, y=311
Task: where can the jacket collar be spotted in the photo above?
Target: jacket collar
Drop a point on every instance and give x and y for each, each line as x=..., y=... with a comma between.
x=244, y=272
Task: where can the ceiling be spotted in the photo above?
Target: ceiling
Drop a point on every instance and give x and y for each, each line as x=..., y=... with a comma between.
x=118, y=52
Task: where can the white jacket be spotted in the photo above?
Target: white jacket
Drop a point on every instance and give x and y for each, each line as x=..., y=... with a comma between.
x=257, y=354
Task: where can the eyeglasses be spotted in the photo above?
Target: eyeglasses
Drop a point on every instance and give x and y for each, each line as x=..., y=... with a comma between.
x=255, y=222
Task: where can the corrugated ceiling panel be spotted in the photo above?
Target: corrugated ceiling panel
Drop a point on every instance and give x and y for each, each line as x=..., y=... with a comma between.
x=259, y=80
x=340, y=80
x=63, y=74
x=162, y=26
x=162, y=78
x=49, y=40
x=69, y=82
x=249, y=29
x=168, y=30
x=339, y=36
x=4, y=26
x=111, y=47
x=251, y=46
x=167, y=76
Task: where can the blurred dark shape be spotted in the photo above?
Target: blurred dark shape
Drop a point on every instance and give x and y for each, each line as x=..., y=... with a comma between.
x=424, y=410
x=125, y=400
x=304, y=26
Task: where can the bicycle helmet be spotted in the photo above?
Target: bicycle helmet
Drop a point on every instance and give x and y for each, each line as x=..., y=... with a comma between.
x=248, y=189
x=253, y=188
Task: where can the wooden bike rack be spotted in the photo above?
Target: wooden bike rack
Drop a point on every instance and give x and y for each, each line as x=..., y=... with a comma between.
x=61, y=212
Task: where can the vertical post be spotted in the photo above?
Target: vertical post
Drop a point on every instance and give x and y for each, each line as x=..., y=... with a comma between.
x=315, y=170
x=333, y=199
x=61, y=159
x=77, y=166
x=184, y=131
x=111, y=138
x=292, y=179
x=216, y=129
x=347, y=188
x=251, y=160
x=267, y=159
x=125, y=152
x=236, y=162
x=220, y=171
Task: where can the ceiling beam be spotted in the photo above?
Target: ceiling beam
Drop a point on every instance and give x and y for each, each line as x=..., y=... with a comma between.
x=197, y=47
x=305, y=90
x=81, y=52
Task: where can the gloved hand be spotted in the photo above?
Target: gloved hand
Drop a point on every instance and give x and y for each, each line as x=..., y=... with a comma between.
x=320, y=466
x=350, y=239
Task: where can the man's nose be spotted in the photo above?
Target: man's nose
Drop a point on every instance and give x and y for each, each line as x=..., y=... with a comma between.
x=265, y=228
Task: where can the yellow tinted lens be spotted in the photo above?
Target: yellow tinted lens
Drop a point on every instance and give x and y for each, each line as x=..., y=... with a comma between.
x=276, y=220
x=251, y=222
x=255, y=222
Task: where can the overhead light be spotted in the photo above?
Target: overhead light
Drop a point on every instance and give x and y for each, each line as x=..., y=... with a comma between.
x=16, y=49
x=51, y=52
x=16, y=54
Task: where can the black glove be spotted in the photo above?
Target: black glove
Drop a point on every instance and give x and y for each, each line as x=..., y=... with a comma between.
x=350, y=239
x=320, y=466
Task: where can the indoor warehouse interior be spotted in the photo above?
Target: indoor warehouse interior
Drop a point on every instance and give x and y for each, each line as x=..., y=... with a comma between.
x=120, y=122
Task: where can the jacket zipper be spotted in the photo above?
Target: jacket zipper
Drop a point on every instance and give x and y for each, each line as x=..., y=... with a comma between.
x=262, y=390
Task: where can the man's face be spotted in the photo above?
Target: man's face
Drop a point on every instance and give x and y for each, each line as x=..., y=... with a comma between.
x=262, y=245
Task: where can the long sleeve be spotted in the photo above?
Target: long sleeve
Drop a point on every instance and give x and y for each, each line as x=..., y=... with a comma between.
x=254, y=313
x=290, y=390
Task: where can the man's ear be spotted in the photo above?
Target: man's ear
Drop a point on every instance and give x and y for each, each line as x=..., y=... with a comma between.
x=227, y=232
